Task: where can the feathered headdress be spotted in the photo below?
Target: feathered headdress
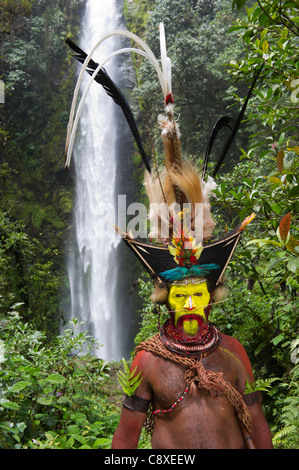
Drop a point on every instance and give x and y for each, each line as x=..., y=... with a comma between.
x=177, y=185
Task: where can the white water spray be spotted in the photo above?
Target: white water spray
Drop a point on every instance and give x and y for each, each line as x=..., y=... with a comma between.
x=93, y=263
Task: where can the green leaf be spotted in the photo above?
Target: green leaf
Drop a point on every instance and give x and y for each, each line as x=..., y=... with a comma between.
x=135, y=380
x=128, y=380
x=263, y=241
x=103, y=442
x=284, y=33
x=256, y=13
x=293, y=265
x=70, y=442
x=56, y=379
x=63, y=400
x=233, y=63
x=292, y=244
x=294, y=192
x=265, y=46
x=10, y=405
x=278, y=339
x=17, y=387
x=275, y=180
x=235, y=28
x=281, y=138
x=80, y=439
x=238, y=3
x=125, y=366
x=259, y=385
x=45, y=400
x=249, y=388
x=273, y=263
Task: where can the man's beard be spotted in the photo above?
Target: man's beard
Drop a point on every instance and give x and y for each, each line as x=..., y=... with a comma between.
x=202, y=326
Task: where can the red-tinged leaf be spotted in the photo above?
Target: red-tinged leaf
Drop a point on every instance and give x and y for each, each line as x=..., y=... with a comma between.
x=279, y=160
x=284, y=226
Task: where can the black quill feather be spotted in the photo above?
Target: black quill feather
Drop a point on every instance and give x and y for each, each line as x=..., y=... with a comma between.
x=224, y=121
x=237, y=124
x=115, y=93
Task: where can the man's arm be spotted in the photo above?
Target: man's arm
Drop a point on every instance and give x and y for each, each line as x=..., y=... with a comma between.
x=261, y=434
x=128, y=431
x=134, y=412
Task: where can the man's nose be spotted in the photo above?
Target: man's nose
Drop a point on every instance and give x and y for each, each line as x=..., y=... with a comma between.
x=189, y=305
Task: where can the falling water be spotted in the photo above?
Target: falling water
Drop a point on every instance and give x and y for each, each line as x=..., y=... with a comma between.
x=93, y=265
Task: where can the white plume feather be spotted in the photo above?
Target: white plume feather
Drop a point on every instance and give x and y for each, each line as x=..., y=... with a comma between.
x=208, y=187
x=144, y=51
x=165, y=61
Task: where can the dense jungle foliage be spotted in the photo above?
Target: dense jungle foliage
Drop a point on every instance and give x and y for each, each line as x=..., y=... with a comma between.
x=53, y=392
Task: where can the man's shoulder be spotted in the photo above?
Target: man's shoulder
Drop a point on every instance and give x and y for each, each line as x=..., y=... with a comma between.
x=152, y=354
x=231, y=343
x=147, y=363
x=235, y=347
x=144, y=357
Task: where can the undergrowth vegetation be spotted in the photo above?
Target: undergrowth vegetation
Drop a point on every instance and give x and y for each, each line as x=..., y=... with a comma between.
x=54, y=396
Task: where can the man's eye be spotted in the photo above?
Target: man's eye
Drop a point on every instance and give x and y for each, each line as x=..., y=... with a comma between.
x=199, y=294
x=180, y=295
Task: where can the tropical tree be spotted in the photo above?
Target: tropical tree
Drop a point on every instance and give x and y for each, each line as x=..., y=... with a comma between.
x=263, y=310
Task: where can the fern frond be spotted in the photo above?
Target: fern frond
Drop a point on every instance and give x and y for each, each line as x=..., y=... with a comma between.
x=128, y=380
x=287, y=431
x=262, y=385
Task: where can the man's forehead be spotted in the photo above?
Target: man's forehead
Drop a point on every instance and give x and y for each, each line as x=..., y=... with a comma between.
x=189, y=280
x=202, y=285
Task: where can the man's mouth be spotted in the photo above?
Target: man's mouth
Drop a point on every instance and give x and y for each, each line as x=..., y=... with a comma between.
x=190, y=317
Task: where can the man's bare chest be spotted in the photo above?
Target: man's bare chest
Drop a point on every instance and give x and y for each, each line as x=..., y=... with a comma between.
x=168, y=382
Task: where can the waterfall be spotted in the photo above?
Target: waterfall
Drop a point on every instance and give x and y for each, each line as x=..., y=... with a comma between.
x=94, y=259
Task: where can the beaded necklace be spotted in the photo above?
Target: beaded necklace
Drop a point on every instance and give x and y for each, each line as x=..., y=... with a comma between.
x=201, y=346
x=175, y=403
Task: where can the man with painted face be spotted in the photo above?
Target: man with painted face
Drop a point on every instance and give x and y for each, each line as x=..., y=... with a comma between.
x=186, y=415
x=195, y=404
x=193, y=376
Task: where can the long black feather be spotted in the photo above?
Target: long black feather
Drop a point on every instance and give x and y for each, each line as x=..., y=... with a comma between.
x=224, y=121
x=237, y=124
x=115, y=93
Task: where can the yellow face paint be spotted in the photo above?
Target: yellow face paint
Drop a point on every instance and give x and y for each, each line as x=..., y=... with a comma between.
x=188, y=302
